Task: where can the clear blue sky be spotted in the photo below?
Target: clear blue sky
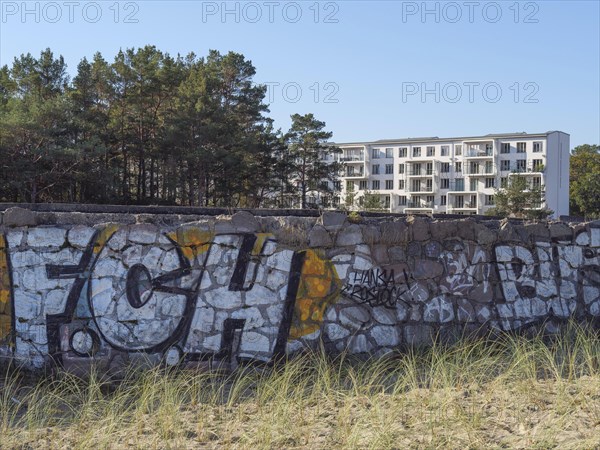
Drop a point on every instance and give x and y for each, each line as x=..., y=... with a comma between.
x=370, y=53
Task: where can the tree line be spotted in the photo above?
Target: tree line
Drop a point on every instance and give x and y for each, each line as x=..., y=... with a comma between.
x=151, y=128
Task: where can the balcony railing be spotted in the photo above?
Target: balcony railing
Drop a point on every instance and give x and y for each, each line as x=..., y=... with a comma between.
x=421, y=173
x=419, y=205
x=355, y=173
x=479, y=153
x=520, y=168
x=347, y=158
x=480, y=170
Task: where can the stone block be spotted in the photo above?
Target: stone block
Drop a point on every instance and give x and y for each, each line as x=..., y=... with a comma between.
x=319, y=237
x=245, y=222
x=393, y=233
x=18, y=217
x=350, y=235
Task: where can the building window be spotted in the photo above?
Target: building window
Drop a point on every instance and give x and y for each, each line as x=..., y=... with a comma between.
x=474, y=168
x=445, y=150
x=521, y=147
x=458, y=150
x=459, y=201
x=505, y=147
x=362, y=185
x=389, y=169
x=387, y=201
x=430, y=151
x=402, y=200
x=402, y=152
x=443, y=200
x=505, y=165
x=538, y=165
x=458, y=167
x=416, y=186
x=375, y=185
x=504, y=182
x=429, y=185
x=389, y=185
x=400, y=168
x=536, y=182
x=445, y=183
x=389, y=152
x=430, y=200
x=401, y=184
x=537, y=147
x=489, y=149
x=416, y=169
x=521, y=163
x=445, y=167
x=489, y=200
x=416, y=151
x=350, y=186
x=375, y=169
x=490, y=182
x=375, y=153
x=473, y=185
x=459, y=184
x=337, y=185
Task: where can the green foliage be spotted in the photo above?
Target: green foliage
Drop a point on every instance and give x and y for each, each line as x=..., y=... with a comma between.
x=150, y=128
x=372, y=202
x=520, y=199
x=585, y=181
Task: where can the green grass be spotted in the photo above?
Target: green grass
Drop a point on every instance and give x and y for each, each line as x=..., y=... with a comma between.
x=512, y=392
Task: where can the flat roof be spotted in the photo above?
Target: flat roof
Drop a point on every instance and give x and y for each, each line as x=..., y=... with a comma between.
x=459, y=138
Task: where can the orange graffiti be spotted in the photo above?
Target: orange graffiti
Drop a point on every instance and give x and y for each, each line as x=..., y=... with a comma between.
x=192, y=241
x=5, y=293
x=103, y=237
x=319, y=287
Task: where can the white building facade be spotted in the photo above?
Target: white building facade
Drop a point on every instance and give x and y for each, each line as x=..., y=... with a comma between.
x=454, y=175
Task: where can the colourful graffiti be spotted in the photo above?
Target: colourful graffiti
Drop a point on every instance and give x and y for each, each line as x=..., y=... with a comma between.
x=119, y=293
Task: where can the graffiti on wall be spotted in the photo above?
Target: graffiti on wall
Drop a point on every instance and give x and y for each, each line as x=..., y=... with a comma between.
x=115, y=293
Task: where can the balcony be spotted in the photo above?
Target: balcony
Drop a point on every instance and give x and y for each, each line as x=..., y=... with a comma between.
x=465, y=205
x=530, y=168
x=479, y=153
x=419, y=205
x=420, y=173
x=480, y=170
x=353, y=157
x=350, y=173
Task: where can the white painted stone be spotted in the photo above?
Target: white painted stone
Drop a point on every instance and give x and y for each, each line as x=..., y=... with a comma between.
x=438, y=309
x=386, y=316
x=169, y=261
x=108, y=267
x=522, y=308
x=594, y=308
x=275, y=279
x=26, y=258
x=103, y=298
x=80, y=236
x=260, y=295
x=342, y=270
x=253, y=344
x=55, y=301
x=143, y=234
x=222, y=298
x=118, y=240
x=591, y=294
x=26, y=306
x=354, y=317
x=358, y=344
x=173, y=306
x=571, y=254
x=14, y=238
x=253, y=317
x=539, y=307
x=334, y=332
x=152, y=260
x=342, y=258
x=130, y=256
x=385, y=336
x=504, y=310
x=583, y=238
x=362, y=264
x=275, y=313
x=46, y=237
x=595, y=237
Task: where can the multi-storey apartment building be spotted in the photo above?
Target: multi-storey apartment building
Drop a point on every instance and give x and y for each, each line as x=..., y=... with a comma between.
x=455, y=175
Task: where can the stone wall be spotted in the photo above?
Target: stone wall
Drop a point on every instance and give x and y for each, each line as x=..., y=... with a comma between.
x=110, y=289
